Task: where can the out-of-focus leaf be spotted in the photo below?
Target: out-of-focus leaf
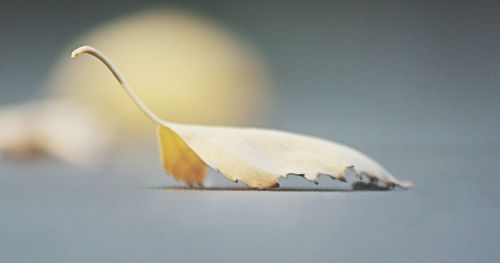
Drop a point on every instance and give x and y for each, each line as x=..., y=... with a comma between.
x=60, y=128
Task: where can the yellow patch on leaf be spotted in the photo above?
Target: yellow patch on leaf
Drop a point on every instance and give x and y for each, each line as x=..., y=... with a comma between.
x=178, y=159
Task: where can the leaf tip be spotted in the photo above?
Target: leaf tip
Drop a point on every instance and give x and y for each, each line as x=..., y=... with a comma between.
x=405, y=185
x=81, y=50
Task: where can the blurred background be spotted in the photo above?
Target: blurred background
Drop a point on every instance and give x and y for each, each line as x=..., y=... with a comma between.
x=413, y=84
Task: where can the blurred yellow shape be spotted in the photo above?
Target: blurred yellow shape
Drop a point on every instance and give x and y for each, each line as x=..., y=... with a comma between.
x=185, y=67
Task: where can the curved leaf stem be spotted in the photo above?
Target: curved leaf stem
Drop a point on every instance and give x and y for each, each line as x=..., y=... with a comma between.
x=120, y=78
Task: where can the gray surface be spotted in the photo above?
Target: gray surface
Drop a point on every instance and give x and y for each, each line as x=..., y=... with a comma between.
x=53, y=213
x=414, y=84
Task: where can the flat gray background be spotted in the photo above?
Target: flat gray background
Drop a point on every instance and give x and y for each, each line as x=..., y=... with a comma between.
x=414, y=84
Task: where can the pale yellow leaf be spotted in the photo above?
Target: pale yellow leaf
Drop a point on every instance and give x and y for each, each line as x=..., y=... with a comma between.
x=256, y=157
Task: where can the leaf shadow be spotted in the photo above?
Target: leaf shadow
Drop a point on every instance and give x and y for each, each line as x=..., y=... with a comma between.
x=356, y=187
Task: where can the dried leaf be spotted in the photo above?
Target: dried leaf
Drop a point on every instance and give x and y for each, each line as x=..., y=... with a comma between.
x=256, y=157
